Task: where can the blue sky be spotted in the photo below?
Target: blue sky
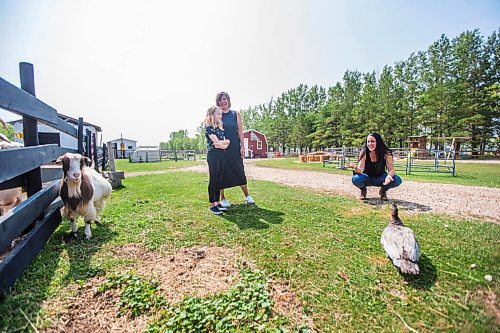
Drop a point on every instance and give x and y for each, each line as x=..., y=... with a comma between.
x=146, y=68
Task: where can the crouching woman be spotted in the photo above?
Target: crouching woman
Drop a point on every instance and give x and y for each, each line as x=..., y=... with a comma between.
x=216, y=145
x=375, y=167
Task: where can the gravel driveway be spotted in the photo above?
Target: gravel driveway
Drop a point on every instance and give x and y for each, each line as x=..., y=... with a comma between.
x=458, y=200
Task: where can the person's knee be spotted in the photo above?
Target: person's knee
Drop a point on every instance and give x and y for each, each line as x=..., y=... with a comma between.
x=358, y=180
x=397, y=181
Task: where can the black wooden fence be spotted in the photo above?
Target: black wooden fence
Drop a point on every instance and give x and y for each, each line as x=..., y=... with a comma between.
x=33, y=221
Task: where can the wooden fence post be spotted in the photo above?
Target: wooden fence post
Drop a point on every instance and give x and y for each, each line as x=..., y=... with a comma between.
x=30, y=128
x=111, y=160
x=114, y=176
x=94, y=147
x=104, y=156
x=80, y=136
x=88, y=144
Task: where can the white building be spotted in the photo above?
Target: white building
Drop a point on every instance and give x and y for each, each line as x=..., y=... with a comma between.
x=47, y=134
x=146, y=154
x=122, y=148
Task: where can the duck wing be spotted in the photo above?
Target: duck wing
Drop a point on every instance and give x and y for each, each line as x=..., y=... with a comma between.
x=399, y=242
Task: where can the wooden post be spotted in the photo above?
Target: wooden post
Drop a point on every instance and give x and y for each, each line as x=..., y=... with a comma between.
x=88, y=144
x=30, y=128
x=80, y=136
x=114, y=176
x=111, y=160
x=104, y=156
x=94, y=149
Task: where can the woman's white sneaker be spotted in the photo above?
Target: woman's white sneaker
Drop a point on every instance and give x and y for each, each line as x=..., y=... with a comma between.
x=225, y=203
x=222, y=209
x=249, y=200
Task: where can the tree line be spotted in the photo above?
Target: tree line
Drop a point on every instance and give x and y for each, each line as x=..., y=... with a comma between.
x=181, y=141
x=451, y=89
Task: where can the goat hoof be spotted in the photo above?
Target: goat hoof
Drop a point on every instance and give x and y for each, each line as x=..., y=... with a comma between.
x=75, y=234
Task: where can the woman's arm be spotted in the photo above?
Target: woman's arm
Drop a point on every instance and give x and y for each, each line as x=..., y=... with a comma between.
x=389, y=162
x=361, y=163
x=240, y=134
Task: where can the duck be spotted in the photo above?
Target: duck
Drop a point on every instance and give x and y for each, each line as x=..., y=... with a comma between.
x=400, y=244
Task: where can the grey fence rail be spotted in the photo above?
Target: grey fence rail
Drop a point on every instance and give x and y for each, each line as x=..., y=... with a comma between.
x=33, y=221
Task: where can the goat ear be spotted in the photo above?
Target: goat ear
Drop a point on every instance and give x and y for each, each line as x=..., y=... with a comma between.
x=59, y=160
x=87, y=160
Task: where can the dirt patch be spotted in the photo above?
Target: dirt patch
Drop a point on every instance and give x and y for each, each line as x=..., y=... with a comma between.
x=287, y=303
x=458, y=200
x=88, y=312
x=195, y=271
x=491, y=304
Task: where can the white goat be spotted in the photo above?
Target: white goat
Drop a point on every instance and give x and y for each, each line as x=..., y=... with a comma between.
x=14, y=196
x=83, y=190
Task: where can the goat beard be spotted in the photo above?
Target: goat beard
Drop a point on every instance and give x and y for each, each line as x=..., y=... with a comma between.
x=74, y=187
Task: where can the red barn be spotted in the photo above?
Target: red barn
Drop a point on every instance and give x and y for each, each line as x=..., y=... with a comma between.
x=255, y=144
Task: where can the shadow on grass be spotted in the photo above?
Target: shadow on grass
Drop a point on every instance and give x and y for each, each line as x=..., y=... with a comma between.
x=402, y=204
x=427, y=277
x=80, y=251
x=119, y=188
x=252, y=217
x=35, y=281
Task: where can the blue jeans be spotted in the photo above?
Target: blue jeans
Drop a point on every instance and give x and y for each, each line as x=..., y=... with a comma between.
x=363, y=180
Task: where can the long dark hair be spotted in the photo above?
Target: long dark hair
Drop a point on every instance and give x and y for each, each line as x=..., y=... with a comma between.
x=381, y=148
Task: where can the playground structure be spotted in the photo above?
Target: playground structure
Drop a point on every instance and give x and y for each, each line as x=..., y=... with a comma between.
x=422, y=157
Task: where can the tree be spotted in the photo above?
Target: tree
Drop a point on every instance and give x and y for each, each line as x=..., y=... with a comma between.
x=8, y=132
x=327, y=122
x=350, y=126
x=408, y=89
x=470, y=86
x=250, y=117
x=368, y=110
x=437, y=109
x=451, y=89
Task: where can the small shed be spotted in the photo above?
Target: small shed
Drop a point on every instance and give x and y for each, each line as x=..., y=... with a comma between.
x=123, y=148
x=145, y=154
x=417, y=142
x=255, y=144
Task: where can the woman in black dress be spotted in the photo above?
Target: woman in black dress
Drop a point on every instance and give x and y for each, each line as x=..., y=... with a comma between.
x=234, y=172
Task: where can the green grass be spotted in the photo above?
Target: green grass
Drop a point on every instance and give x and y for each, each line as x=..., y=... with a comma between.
x=125, y=165
x=473, y=174
x=327, y=248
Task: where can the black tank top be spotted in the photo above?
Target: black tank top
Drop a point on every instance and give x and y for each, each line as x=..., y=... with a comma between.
x=374, y=169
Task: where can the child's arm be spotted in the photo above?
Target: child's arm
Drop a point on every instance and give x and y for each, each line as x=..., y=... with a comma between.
x=220, y=144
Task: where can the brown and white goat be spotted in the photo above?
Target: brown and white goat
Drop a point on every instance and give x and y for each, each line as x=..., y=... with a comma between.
x=83, y=190
x=13, y=196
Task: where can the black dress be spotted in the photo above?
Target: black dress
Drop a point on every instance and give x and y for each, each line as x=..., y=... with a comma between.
x=234, y=171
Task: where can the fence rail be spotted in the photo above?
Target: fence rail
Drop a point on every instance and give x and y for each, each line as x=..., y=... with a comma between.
x=409, y=160
x=33, y=221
